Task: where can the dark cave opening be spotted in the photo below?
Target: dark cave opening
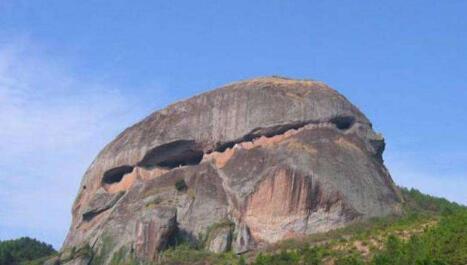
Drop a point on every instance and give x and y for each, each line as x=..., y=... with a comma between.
x=115, y=175
x=224, y=146
x=88, y=216
x=343, y=122
x=173, y=154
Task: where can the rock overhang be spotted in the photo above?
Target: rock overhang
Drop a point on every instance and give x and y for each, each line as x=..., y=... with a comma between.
x=213, y=133
x=257, y=103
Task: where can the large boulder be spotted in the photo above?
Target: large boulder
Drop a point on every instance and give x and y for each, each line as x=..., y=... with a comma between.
x=248, y=164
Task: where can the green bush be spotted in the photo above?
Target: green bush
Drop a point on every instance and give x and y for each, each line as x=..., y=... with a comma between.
x=444, y=244
x=312, y=256
x=24, y=249
x=185, y=254
x=283, y=258
x=349, y=260
x=417, y=202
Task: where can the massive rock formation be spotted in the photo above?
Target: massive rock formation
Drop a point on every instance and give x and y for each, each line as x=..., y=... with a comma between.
x=248, y=164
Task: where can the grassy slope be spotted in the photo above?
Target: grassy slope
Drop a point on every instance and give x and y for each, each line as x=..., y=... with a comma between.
x=432, y=231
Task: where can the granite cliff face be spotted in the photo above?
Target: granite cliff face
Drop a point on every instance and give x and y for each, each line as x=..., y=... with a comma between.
x=248, y=164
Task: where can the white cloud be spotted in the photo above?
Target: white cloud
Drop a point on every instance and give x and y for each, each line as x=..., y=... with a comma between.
x=52, y=124
x=44, y=106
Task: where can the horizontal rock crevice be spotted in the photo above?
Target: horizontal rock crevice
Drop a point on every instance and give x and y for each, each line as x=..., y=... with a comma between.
x=173, y=154
x=341, y=122
x=189, y=152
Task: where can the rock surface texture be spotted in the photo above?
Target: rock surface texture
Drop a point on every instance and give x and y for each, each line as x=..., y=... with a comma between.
x=242, y=166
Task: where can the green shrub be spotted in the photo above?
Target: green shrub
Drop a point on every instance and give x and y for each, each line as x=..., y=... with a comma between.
x=185, y=254
x=23, y=249
x=445, y=243
x=349, y=260
x=283, y=258
x=312, y=256
x=417, y=202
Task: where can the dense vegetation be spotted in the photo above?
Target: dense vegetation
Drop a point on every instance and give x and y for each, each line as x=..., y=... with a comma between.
x=417, y=202
x=444, y=244
x=23, y=250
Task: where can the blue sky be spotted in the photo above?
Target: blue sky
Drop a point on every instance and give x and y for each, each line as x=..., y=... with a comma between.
x=74, y=74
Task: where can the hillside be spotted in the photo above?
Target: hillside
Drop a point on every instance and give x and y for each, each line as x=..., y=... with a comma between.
x=23, y=250
x=431, y=231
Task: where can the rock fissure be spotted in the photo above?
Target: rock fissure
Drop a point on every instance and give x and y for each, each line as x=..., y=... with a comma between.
x=341, y=122
x=230, y=193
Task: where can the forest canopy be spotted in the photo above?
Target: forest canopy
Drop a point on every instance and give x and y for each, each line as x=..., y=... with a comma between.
x=19, y=251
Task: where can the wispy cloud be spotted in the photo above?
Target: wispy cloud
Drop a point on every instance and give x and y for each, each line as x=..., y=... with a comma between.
x=52, y=124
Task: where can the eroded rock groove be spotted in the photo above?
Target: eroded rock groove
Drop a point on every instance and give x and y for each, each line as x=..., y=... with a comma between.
x=115, y=175
x=173, y=154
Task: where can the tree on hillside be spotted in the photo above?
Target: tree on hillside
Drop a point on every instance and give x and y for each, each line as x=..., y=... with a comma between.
x=16, y=251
